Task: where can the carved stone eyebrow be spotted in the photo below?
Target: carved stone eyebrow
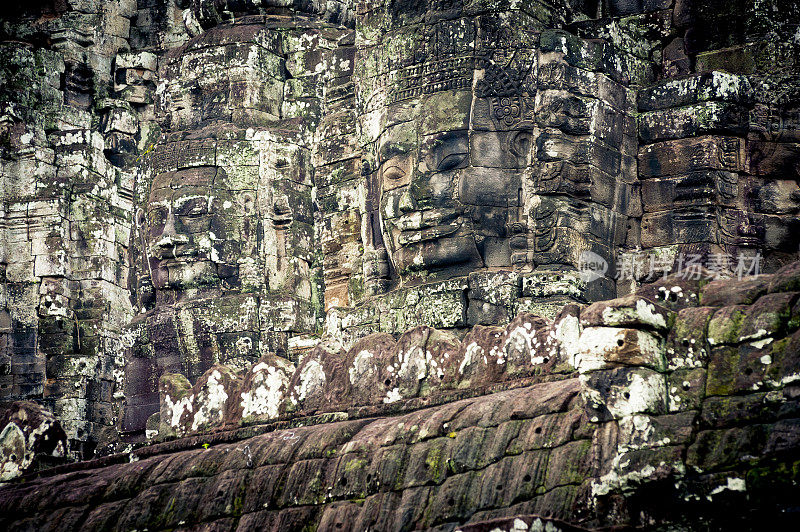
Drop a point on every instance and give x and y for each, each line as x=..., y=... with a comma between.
x=183, y=199
x=392, y=149
x=460, y=134
x=166, y=204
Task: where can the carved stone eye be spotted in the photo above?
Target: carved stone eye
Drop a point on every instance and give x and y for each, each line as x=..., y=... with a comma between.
x=451, y=161
x=192, y=208
x=394, y=173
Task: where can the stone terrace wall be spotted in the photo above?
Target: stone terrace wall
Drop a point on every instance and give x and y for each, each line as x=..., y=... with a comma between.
x=680, y=411
x=709, y=168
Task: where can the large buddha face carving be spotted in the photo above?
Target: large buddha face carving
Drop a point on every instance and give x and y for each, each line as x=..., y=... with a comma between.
x=425, y=226
x=447, y=197
x=454, y=138
x=191, y=236
x=223, y=246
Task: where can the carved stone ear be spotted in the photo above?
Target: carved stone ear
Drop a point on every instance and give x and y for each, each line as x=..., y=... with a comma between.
x=519, y=143
x=366, y=167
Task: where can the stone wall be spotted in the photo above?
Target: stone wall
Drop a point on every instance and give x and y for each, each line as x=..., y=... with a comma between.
x=66, y=215
x=377, y=166
x=674, y=407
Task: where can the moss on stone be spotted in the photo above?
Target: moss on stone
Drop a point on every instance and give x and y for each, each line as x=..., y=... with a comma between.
x=355, y=288
x=434, y=463
x=724, y=327
x=722, y=371
x=355, y=465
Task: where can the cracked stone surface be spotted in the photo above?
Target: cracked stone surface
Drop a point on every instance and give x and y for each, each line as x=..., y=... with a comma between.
x=309, y=235
x=601, y=421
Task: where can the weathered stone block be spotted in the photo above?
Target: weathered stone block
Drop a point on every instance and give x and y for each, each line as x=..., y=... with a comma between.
x=665, y=193
x=692, y=121
x=717, y=449
x=630, y=311
x=711, y=86
x=29, y=436
x=620, y=392
x=687, y=389
x=678, y=157
x=608, y=347
x=725, y=326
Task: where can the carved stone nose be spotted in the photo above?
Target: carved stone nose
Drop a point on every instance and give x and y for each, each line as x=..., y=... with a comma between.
x=169, y=235
x=169, y=224
x=407, y=202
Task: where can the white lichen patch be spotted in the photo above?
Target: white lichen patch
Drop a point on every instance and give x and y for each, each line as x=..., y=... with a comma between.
x=619, y=479
x=675, y=400
x=599, y=348
x=634, y=431
x=266, y=392
x=497, y=355
x=519, y=344
x=651, y=349
x=645, y=392
x=758, y=335
x=647, y=313
x=637, y=432
x=472, y=353
x=212, y=402
x=644, y=312
x=731, y=484
x=568, y=336
x=788, y=379
x=392, y=396
x=244, y=345
x=594, y=344
x=312, y=377
x=413, y=365
x=14, y=454
x=176, y=409
x=361, y=365
x=692, y=358
x=760, y=344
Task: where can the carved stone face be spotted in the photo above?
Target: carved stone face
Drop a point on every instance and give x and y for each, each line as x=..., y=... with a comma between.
x=448, y=197
x=425, y=226
x=188, y=239
x=450, y=147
